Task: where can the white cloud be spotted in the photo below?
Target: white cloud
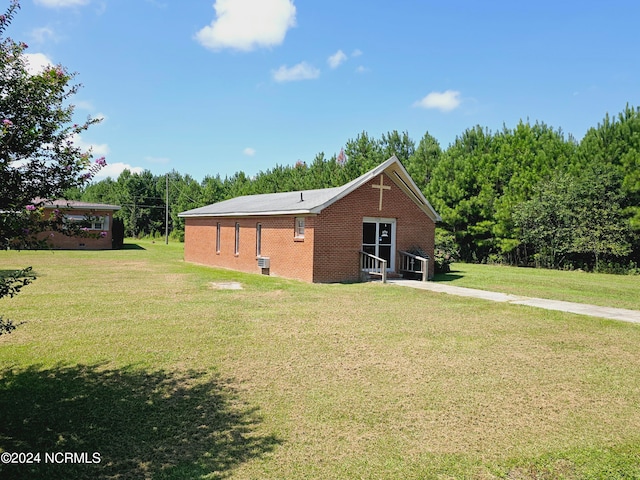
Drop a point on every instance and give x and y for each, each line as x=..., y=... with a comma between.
x=89, y=107
x=43, y=35
x=301, y=71
x=356, y=53
x=248, y=24
x=250, y=152
x=114, y=170
x=336, y=59
x=36, y=62
x=84, y=105
x=99, y=116
x=443, y=101
x=362, y=69
x=97, y=149
x=61, y=3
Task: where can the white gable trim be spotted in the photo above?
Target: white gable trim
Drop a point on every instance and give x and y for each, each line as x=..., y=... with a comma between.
x=399, y=175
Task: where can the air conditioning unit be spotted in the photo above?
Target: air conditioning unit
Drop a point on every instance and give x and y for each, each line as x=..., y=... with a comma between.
x=263, y=262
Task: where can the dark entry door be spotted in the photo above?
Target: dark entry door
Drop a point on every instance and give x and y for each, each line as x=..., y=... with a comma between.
x=378, y=238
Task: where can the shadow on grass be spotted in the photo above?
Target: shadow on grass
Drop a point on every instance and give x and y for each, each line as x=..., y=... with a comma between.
x=131, y=246
x=451, y=276
x=149, y=425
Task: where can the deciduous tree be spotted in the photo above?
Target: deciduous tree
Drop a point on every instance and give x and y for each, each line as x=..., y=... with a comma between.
x=39, y=155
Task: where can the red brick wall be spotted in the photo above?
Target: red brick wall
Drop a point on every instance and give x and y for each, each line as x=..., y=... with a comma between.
x=332, y=239
x=341, y=225
x=60, y=241
x=289, y=257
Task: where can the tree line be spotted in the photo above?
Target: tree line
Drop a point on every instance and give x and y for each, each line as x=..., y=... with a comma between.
x=528, y=195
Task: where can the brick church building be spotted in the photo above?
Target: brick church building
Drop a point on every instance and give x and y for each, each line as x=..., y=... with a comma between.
x=325, y=235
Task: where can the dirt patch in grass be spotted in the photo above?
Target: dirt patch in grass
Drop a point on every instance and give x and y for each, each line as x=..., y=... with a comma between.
x=226, y=285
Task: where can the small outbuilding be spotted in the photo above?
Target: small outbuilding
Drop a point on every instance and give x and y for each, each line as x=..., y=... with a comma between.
x=374, y=224
x=97, y=217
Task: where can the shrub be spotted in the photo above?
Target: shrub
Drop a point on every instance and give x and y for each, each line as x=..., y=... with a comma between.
x=446, y=250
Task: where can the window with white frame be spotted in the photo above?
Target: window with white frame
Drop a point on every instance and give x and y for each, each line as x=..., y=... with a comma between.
x=299, y=227
x=258, y=239
x=237, y=245
x=218, y=237
x=89, y=222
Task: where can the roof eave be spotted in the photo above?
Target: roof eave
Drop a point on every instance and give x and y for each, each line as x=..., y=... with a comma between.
x=110, y=208
x=248, y=214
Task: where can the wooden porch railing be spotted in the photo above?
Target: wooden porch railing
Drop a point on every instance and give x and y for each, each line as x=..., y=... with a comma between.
x=411, y=263
x=373, y=265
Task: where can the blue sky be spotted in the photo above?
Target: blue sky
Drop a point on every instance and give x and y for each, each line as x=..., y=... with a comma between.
x=217, y=86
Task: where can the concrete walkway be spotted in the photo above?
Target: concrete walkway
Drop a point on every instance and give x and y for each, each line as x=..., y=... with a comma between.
x=579, y=308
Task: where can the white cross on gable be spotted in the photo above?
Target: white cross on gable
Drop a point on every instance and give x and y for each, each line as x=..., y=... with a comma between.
x=382, y=188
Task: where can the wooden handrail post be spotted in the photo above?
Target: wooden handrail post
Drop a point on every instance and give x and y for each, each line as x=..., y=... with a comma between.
x=368, y=261
x=407, y=263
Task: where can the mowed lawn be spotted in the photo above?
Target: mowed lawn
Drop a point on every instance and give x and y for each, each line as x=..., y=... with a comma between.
x=140, y=358
x=622, y=291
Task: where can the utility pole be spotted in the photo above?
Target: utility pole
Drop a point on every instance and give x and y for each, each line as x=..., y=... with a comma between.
x=166, y=213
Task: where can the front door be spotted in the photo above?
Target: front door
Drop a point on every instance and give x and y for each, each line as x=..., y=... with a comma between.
x=379, y=239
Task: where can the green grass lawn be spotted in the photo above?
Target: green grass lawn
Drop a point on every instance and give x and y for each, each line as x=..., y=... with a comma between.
x=135, y=355
x=622, y=291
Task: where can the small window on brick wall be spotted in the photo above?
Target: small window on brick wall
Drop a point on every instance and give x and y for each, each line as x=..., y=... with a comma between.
x=88, y=221
x=237, y=246
x=258, y=239
x=218, y=238
x=299, y=227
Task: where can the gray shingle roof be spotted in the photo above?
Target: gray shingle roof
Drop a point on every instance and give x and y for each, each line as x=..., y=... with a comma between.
x=313, y=201
x=77, y=205
x=305, y=201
